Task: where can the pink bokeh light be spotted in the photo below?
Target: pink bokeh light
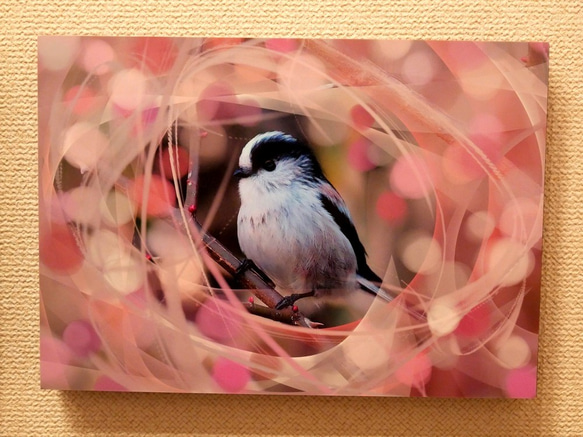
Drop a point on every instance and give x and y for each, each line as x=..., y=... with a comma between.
x=81, y=338
x=156, y=54
x=391, y=207
x=59, y=250
x=230, y=376
x=410, y=177
x=521, y=383
x=157, y=193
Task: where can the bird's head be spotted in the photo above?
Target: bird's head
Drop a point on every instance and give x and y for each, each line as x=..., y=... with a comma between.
x=277, y=159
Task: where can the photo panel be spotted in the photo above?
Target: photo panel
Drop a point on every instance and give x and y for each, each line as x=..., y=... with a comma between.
x=191, y=190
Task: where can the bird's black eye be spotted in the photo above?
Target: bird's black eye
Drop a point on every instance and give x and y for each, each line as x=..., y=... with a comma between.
x=269, y=165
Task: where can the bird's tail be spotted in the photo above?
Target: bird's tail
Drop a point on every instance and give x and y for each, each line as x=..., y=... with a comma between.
x=373, y=288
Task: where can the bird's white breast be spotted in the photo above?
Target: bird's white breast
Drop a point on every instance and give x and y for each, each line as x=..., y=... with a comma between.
x=289, y=235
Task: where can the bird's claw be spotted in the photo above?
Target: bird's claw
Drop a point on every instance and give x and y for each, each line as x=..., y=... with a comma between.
x=248, y=264
x=245, y=265
x=286, y=302
x=291, y=299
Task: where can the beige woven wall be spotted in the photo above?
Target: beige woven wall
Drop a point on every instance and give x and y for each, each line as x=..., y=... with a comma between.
x=26, y=410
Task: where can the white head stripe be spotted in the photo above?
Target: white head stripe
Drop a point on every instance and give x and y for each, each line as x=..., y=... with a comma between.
x=245, y=158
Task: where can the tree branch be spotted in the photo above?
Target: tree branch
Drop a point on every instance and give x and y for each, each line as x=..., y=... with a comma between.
x=251, y=279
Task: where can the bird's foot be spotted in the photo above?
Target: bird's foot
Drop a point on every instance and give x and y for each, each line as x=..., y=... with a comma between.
x=245, y=265
x=248, y=264
x=291, y=299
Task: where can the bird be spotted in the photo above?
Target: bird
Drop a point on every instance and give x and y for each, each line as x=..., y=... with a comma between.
x=294, y=225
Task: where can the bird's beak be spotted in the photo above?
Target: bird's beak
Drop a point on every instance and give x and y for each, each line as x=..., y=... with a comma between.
x=240, y=173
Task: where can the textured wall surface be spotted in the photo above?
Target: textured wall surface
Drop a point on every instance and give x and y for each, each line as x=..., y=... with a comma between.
x=26, y=410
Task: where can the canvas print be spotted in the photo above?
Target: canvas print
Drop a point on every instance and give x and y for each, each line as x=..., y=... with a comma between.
x=286, y=216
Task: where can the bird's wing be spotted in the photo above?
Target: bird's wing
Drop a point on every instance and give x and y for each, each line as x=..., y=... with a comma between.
x=335, y=206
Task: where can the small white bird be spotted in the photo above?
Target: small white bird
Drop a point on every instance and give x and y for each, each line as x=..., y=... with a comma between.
x=293, y=224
